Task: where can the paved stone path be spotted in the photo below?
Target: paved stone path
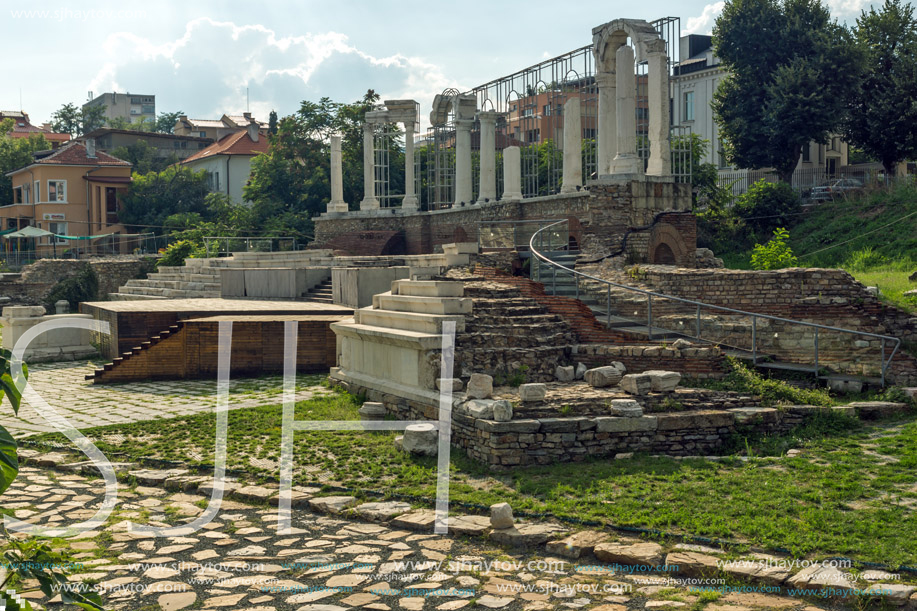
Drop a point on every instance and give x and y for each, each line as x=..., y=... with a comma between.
x=328, y=563
x=64, y=387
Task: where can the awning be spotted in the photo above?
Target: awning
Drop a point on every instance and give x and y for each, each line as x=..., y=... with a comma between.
x=28, y=232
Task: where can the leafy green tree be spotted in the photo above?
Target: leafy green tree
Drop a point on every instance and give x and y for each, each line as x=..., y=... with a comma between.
x=153, y=197
x=767, y=205
x=790, y=69
x=272, y=122
x=776, y=254
x=143, y=157
x=15, y=153
x=165, y=121
x=882, y=118
x=77, y=121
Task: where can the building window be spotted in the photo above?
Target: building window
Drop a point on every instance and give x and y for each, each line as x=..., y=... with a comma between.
x=17, y=195
x=58, y=229
x=528, y=112
x=149, y=109
x=807, y=153
x=27, y=193
x=689, y=106
x=214, y=181
x=202, y=134
x=37, y=192
x=135, y=101
x=532, y=135
x=721, y=155
x=589, y=133
x=546, y=110
x=201, y=145
x=57, y=191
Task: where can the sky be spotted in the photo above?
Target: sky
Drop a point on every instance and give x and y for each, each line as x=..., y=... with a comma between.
x=200, y=56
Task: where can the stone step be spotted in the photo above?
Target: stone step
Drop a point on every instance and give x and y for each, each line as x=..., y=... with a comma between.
x=427, y=288
x=157, y=284
x=411, y=321
x=131, y=297
x=422, y=305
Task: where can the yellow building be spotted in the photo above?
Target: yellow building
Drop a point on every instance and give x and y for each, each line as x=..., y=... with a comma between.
x=69, y=191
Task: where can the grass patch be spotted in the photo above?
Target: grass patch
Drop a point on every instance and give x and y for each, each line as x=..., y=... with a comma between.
x=741, y=378
x=850, y=493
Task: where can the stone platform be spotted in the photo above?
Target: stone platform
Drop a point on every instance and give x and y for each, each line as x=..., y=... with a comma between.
x=134, y=322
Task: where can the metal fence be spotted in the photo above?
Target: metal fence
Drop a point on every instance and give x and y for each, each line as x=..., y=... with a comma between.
x=804, y=179
x=224, y=246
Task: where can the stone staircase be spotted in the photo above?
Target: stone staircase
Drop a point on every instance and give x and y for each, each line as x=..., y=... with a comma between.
x=509, y=335
x=109, y=372
x=201, y=277
x=321, y=292
x=198, y=278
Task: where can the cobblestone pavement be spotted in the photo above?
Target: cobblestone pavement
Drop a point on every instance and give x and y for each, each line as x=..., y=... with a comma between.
x=64, y=387
x=329, y=562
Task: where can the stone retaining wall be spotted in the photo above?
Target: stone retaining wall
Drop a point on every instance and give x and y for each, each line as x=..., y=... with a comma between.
x=36, y=281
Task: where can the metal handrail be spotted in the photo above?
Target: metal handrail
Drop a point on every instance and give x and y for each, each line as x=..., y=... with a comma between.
x=699, y=304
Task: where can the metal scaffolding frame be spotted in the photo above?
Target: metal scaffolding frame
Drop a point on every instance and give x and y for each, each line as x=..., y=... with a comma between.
x=531, y=102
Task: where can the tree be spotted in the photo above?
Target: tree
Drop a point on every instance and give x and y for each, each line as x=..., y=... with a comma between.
x=272, y=122
x=143, y=157
x=153, y=197
x=78, y=121
x=776, y=254
x=882, y=118
x=165, y=122
x=290, y=183
x=790, y=68
x=15, y=153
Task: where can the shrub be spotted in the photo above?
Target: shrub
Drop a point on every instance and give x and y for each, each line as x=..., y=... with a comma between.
x=767, y=205
x=776, y=254
x=82, y=287
x=177, y=252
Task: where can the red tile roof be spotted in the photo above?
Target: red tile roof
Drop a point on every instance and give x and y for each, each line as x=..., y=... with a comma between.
x=238, y=143
x=75, y=154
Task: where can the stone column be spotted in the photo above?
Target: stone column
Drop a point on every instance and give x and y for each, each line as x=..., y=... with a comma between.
x=512, y=173
x=410, y=195
x=369, y=171
x=463, y=161
x=660, y=162
x=488, y=188
x=626, y=161
x=607, y=137
x=573, y=146
x=337, y=203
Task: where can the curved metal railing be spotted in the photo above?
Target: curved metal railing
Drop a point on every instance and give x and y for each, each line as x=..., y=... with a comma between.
x=539, y=258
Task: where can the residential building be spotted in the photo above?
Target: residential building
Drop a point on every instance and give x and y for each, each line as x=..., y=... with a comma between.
x=131, y=107
x=71, y=191
x=228, y=160
x=23, y=128
x=695, y=80
x=534, y=118
x=215, y=128
x=165, y=145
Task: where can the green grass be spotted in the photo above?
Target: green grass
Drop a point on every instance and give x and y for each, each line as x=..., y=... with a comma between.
x=867, y=236
x=852, y=492
x=772, y=392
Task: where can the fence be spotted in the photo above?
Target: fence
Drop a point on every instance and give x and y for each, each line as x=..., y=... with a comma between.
x=225, y=246
x=803, y=180
x=17, y=252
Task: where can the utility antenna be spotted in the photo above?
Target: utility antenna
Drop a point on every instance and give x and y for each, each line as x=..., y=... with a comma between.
x=247, y=108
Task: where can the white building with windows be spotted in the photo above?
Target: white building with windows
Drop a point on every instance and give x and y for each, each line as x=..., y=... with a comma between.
x=696, y=78
x=228, y=161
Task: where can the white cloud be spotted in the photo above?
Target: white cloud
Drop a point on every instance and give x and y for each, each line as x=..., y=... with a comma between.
x=847, y=8
x=205, y=71
x=704, y=23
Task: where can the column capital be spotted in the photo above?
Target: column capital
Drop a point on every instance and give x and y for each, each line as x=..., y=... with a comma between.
x=489, y=116
x=606, y=79
x=463, y=124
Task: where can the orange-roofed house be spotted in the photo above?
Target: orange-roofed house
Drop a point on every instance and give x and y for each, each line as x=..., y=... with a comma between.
x=69, y=191
x=23, y=128
x=228, y=161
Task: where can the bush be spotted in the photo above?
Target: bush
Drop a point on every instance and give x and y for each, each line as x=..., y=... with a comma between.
x=768, y=205
x=776, y=254
x=76, y=289
x=177, y=252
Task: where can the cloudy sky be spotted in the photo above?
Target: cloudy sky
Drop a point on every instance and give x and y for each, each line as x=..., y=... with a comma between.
x=199, y=56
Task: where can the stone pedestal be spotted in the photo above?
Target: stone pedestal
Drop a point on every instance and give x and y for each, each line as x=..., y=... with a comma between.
x=660, y=161
x=573, y=152
x=626, y=161
x=369, y=171
x=512, y=173
x=337, y=203
x=488, y=187
x=463, y=188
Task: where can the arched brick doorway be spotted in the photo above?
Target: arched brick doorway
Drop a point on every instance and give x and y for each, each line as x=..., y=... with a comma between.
x=667, y=247
x=459, y=235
